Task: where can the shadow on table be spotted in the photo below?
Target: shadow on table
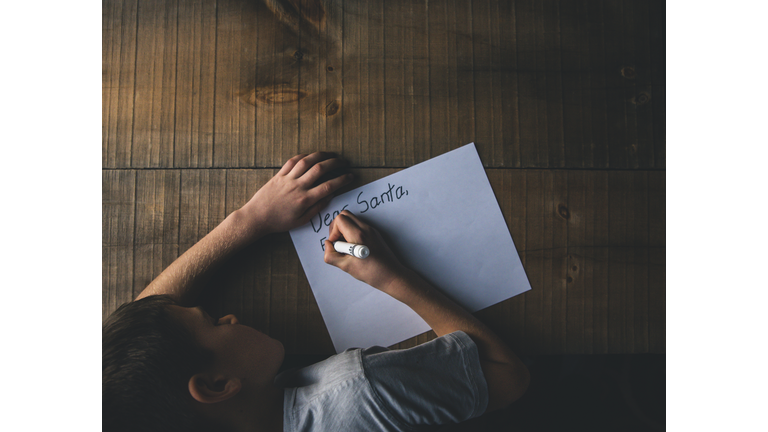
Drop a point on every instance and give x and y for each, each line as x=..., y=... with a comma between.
x=586, y=392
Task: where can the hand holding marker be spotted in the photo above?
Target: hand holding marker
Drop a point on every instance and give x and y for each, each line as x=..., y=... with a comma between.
x=358, y=251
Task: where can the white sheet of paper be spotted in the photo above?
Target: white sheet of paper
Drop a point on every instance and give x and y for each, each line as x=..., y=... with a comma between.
x=442, y=219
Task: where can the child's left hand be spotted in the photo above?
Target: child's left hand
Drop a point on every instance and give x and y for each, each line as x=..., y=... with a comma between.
x=291, y=198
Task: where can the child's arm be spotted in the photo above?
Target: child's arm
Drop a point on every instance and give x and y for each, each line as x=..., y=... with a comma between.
x=507, y=377
x=287, y=201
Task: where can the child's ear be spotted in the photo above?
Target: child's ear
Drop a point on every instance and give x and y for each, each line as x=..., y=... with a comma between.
x=206, y=388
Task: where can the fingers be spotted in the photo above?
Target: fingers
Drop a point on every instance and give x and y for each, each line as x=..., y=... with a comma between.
x=320, y=169
x=315, y=209
x=290, y=164
x=327, y=188
x=331, y=256
x=360, y=224
x=304, y=164
x=343, y=227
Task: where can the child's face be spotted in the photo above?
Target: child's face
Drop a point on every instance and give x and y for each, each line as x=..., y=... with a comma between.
x=239, y=350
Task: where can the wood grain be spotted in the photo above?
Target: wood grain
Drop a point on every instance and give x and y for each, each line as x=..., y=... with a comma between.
x=195, y=73
x=117, y=230
x=591, y=242
x=119, y=32
x=204, y=99
x=548, y=84
x=155, y=92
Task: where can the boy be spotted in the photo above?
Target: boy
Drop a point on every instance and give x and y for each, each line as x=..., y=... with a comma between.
x=168, y=367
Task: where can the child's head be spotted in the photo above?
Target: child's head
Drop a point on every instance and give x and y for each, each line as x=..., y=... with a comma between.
x=160, y=361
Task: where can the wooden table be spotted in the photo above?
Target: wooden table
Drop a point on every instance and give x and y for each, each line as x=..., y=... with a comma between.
x=204, y=100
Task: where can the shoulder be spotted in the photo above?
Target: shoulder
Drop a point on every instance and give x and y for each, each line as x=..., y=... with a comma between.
x=447, y=351
x=437, y=382
x=325, y=375
x=334, y=395
x=379, y=389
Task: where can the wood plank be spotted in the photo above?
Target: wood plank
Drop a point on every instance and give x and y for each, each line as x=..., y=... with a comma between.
x=333, y=102
x=374, y=55
x=202, y=204
x=527, y=54
x=486, y=83
x=420, y=87
x=510, y=118
x=658, y=19
x=119, y=32
x=234, y=120
x=312, y=70
x=659, y=101
x=618, y=240
x=613, y=38
x=351, y=77
x=578, y=335
x=463, y=105
x=499, y=65
x=285, y=82
x=556, y=272
x=642, y=76
x=574, y=52
x=268, y=62
x=487, y=71
x=117, y=231
x=363, y=122
x=639, y=329
x=244, y=154
x=598, y=150
x=157, y=224
x=195, y=68
x=440, y=82
x=109, y=73
x=540, y=86
x=586, y=158
x=597, y=235
x=554, y=86
x=155, y=97
x=657, y=262
x=632, y=100
x=397, y=103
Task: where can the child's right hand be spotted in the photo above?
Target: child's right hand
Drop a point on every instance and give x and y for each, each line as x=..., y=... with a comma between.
x=379, y=269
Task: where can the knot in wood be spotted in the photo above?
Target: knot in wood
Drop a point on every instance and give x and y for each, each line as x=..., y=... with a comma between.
x=562, y=210
x=628, y=72
x=332, y=108
x=642, y=98
x=298, y=55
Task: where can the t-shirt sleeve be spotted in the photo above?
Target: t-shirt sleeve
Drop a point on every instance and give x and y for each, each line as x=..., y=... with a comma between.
x=438, y=382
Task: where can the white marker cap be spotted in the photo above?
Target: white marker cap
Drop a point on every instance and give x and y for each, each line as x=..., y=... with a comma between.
x=359, y=251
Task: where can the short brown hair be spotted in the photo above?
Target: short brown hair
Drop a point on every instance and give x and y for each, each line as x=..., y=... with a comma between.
x=148, y=358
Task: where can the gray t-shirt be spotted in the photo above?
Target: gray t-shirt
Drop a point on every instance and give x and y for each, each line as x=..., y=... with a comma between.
x=375, y=389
